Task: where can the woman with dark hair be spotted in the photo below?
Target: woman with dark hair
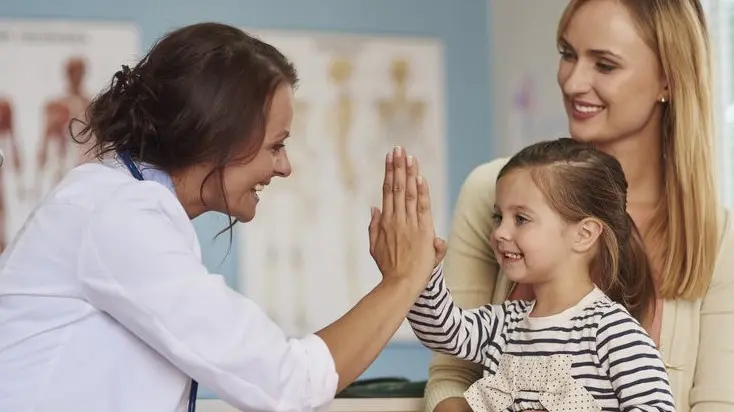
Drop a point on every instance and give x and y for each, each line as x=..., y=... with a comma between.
x=104, y=302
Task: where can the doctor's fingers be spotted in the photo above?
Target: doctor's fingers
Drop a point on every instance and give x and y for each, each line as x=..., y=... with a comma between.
x=374, y=228
x=411, y=191
x=399, y=184
x=387, y=187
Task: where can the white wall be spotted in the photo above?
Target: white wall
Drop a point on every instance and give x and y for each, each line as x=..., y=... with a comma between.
x=523, y=49
x=719, y=17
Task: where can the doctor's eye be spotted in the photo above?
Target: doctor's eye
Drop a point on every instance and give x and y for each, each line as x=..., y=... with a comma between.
x=278, y=148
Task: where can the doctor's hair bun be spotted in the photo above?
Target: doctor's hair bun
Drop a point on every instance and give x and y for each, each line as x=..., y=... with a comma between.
x=200, y=95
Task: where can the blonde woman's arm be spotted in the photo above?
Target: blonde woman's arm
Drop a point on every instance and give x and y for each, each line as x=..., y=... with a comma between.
x=471, y=273
x=713, y=390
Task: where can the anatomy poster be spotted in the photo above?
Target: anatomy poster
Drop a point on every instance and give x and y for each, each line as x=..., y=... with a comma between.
x=305, y=258
x=49, y=71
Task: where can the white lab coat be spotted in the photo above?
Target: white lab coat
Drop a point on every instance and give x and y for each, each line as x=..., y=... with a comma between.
x=105, y=306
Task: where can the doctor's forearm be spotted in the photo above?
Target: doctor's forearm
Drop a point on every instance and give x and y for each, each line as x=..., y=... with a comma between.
x=357, y=338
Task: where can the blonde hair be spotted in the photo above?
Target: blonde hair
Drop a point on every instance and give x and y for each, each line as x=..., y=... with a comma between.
x=686, y=221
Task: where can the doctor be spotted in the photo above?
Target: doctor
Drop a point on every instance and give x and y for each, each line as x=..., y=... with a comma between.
x=105, y=305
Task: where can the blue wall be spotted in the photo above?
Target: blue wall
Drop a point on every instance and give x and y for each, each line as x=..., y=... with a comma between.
x=461, y=25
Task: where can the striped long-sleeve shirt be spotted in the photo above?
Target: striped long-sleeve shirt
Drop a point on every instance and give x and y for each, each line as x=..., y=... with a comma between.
x=594, y=352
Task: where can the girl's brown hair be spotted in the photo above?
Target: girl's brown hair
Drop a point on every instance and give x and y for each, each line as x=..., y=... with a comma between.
x=581, y=182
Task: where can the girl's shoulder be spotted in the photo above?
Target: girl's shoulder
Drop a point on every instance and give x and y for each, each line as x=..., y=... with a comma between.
x=600, y=311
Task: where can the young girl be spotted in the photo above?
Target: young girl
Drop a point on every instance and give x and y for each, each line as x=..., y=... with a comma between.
x=561, y=226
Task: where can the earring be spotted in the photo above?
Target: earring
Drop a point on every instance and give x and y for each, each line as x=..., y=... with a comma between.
x=662, y=100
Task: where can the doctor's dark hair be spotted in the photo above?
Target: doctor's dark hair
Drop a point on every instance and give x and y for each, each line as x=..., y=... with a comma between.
x=200, y=95
x=581, y=182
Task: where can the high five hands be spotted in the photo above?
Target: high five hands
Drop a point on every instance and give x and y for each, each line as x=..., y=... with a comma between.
x=402, y=235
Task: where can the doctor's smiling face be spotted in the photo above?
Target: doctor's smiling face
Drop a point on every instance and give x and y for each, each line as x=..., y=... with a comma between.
x=210, y=105
x=247, y=176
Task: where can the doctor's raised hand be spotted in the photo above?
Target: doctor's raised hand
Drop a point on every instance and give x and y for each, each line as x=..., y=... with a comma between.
x=404, y=246
x=105, y=304
x=402, y=235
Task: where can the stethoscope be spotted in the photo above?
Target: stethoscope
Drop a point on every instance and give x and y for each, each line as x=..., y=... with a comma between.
x=133, y=168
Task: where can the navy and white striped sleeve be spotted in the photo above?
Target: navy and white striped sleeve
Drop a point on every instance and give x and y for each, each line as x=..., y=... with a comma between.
x=444, y=327
x=634, y=365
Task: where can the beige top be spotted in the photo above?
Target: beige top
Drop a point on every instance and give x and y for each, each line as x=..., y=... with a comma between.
x=696, y=337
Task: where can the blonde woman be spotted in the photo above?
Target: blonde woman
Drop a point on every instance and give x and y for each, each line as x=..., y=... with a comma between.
x=636, y=82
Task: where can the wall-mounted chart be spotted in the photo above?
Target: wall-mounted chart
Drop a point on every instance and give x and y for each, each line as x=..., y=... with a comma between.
x=305, y=258
x=49, y=71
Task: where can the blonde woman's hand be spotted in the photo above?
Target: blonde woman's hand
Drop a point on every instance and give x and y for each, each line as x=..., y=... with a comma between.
x=402, y=235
